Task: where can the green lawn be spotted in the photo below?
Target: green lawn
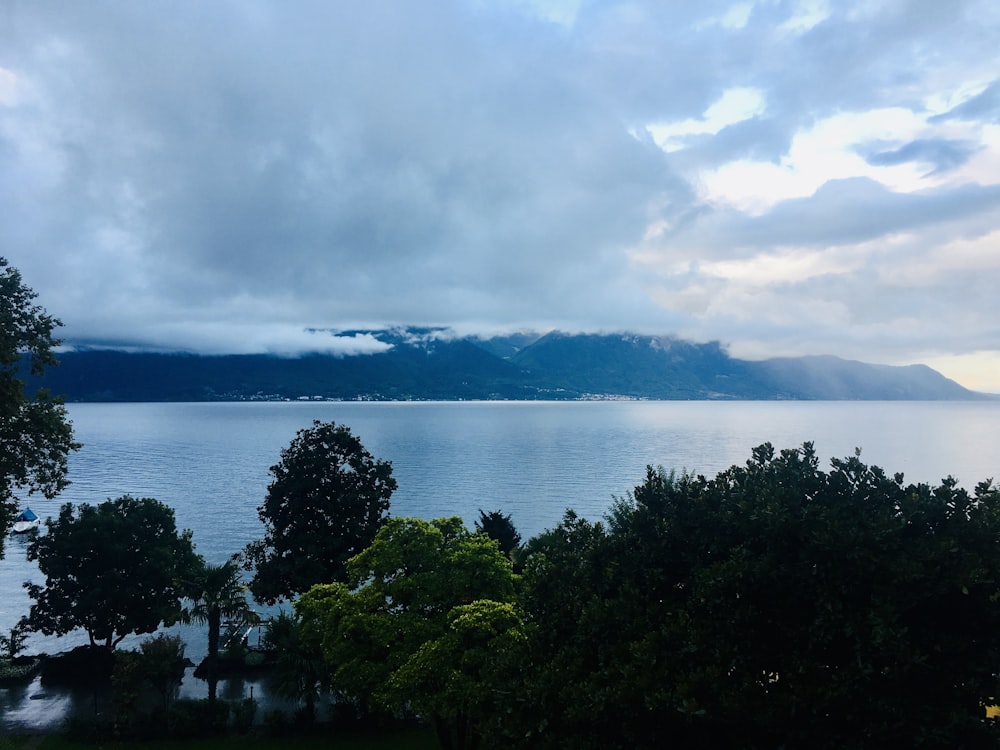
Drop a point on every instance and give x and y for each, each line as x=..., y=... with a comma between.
x=421, y=739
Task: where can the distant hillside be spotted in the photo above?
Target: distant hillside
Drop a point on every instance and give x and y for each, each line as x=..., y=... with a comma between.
x=428, y=364
x=833, y=378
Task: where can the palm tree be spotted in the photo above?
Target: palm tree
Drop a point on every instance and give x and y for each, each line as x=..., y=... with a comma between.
x=218, y=592
x=300, y=673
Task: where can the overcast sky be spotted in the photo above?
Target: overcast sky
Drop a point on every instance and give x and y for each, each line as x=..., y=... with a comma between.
x=787, y=177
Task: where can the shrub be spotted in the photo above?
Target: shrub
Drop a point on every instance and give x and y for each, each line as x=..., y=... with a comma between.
x=192, y=718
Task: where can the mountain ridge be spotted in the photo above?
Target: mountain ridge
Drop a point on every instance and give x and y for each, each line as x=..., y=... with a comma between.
x=435, y=364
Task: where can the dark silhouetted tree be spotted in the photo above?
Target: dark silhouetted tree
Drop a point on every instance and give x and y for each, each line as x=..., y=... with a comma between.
x=111, y=569
x=500, y=529
x=774, y=605
x=217, y=591
x=327, y=501
x=36, y=436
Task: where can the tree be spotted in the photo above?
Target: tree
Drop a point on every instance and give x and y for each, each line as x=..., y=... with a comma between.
x=325, y=504
x=500, y=529
x=163, y=665
x=217, y=591
x=462, y=678
x=774, y=605
x=112, y=569
x=299, y=670
x=404, y=592
x=12, y=645
x=36, y=436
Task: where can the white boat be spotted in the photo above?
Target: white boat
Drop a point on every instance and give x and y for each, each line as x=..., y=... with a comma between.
x=25, y=522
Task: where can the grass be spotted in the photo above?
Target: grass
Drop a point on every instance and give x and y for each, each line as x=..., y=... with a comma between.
x=410, y=739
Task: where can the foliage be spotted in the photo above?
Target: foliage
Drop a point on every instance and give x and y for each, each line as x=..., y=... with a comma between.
x=775, y=605
x=19, y=671
x=217, y=591
x=81, y=667
x=500, y=529
x=163, y=664
x=325, y=504
x=36, y=436
x=154, y=670
x=299, y=674
x=389, y=639
x=111, y=569
x=191, y=718
x=127, y=682
x=462, y=677
x=13, y=644
x=87, y=731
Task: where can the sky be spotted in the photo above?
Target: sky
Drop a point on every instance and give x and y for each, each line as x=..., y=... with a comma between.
x=786, y=177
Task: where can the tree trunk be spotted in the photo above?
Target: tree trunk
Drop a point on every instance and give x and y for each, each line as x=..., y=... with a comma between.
x=212, y=661
x=443, y=732
x=214, y=630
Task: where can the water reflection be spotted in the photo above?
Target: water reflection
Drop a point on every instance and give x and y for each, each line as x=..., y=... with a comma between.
x=35, y=707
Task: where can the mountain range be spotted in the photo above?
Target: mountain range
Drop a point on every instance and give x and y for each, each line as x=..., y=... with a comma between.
x=433, y=364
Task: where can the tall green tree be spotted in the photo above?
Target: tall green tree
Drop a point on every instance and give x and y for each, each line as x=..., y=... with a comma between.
x=462, y=677
x=111, y=569
x=393, y=633
x=36, y=436
x=776, y=604
x=327, y=500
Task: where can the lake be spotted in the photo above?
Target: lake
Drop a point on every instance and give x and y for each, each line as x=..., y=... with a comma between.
x=533, y=460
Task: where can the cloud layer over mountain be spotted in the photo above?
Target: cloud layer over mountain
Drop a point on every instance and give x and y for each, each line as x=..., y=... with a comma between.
x=788, y=177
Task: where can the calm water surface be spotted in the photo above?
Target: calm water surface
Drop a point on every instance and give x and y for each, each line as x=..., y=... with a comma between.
x=533, y=460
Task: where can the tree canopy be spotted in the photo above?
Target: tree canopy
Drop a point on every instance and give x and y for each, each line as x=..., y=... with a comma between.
x=500, y=528
x=425, y=622
x=327, y=500
x=111, y=569
x=217, y=591
x=774, y=605
x=36, y=436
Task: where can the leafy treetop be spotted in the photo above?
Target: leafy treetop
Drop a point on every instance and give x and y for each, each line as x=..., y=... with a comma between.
x=36, y=435
x=427, y=598
x=773, y=605
x=500, y=528
x=325, y=504
x=111, y=569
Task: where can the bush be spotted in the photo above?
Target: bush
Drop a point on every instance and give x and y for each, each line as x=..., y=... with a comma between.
x=276, y=723
x=89, y=731
x=18, y=671
x=191, y=718
x=243, y=714
x=84, y=666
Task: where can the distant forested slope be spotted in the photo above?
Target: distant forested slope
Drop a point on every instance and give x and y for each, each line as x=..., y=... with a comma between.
x=428, y=364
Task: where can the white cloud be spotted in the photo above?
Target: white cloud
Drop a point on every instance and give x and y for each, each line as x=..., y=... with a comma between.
x=737, y=16
x=831, y=149
x=560, y=12
x=806, y=15
x=735, y=105
x=804, y=176
x=8, y=88
x=734, y=18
